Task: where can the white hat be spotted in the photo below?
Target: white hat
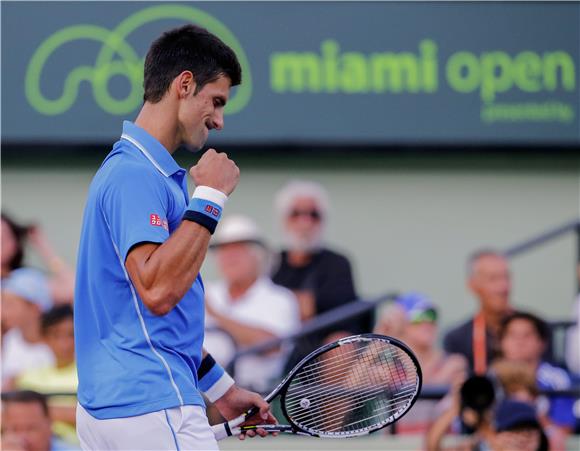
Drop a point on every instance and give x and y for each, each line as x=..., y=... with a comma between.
x=237, y=229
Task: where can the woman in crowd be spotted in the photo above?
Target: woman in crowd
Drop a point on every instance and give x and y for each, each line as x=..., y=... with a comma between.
x=14, y=238
x=523, y=340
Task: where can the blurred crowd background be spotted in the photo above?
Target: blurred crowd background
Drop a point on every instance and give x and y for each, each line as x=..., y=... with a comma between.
x=457, y=235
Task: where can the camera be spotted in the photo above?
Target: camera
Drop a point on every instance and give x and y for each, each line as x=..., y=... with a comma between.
x=478, y=394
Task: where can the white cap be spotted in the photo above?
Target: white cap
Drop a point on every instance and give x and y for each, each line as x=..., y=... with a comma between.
x=237, y=229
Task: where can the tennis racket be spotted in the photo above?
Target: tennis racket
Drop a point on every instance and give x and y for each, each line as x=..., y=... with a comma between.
x=352, y=387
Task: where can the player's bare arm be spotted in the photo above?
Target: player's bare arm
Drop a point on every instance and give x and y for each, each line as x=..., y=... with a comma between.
x=162, y=273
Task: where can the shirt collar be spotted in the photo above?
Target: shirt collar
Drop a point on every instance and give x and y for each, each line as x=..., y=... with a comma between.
x=152, y=149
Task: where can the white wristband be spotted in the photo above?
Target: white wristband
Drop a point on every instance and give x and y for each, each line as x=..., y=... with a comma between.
x=219, y=389
x=211, y=194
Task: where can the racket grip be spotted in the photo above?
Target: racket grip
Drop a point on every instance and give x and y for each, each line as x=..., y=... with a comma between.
x=253, y=411
x=221, y=431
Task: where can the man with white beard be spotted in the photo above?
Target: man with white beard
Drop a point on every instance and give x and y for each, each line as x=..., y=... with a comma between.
x=321, y=278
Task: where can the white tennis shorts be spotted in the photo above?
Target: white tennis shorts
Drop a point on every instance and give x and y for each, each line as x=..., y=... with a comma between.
x=180, y=428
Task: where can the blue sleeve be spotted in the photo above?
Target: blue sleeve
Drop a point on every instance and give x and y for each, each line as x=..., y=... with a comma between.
x=135, y=204
x=562, y=411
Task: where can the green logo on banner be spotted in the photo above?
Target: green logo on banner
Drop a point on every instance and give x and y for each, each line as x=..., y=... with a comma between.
x=116, y=57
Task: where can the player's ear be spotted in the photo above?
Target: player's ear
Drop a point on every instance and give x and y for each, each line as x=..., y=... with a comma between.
x=184, y=84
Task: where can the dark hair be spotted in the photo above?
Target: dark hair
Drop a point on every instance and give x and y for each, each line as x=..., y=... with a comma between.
x=26, y=396
x=187, y=48
x=55, y=315
x=540, y=325
x=20, y=232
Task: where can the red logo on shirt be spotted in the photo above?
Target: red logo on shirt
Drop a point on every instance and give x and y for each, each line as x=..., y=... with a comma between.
x=156, y=221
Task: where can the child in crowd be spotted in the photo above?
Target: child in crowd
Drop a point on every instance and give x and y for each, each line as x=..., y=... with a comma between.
x=60, y=377
x=25, y=296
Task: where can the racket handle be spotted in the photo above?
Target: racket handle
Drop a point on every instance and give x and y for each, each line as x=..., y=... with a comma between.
x=221, y=431
x=253, y=411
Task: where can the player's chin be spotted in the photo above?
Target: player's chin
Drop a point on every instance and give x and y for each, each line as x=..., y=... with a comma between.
x=193, y=146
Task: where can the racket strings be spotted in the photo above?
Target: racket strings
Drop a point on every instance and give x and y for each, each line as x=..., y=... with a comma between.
x=338, y=399
x=381, y=413
x=337, y=392
x=331, y=362
x=333, y=421
x=352, y=388
x=337, y=375
x=322, y=359
x=356, y=397
x=336, y=368
x=348, y=358
x=393, y=401
x=336, y=422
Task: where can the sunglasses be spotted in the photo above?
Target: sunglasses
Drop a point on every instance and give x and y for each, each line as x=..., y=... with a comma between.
x=427, y=316
x=312, y=214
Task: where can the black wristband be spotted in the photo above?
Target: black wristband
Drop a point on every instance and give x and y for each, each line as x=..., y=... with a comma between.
x=203, y=220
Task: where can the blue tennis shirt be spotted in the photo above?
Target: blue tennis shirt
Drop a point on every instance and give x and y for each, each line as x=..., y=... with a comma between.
x=131, y=362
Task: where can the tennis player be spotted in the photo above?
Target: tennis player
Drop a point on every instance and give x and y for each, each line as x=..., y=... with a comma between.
x=139, y=299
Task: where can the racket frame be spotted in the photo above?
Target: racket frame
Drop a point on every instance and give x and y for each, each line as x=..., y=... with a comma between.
x=285, y=384
x=231, y=427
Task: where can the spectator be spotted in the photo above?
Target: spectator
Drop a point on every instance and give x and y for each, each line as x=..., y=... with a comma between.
x=517, y=428
x=413, y=319
x=25, y=296
x=509, y=426
x=321, y=278
x=490, y=282
x=26, y=425
x=12, y=250
x=523, y=338
x=518, y=382
x=14, y=237
x=246, y=303
x=470, y=408
x=573, y=338
x=58, y=333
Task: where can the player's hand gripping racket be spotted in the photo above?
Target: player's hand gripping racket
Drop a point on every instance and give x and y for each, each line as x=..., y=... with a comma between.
x=351, y=387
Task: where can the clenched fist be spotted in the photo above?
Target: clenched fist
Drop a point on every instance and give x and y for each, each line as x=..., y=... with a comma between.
x=217, y=171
